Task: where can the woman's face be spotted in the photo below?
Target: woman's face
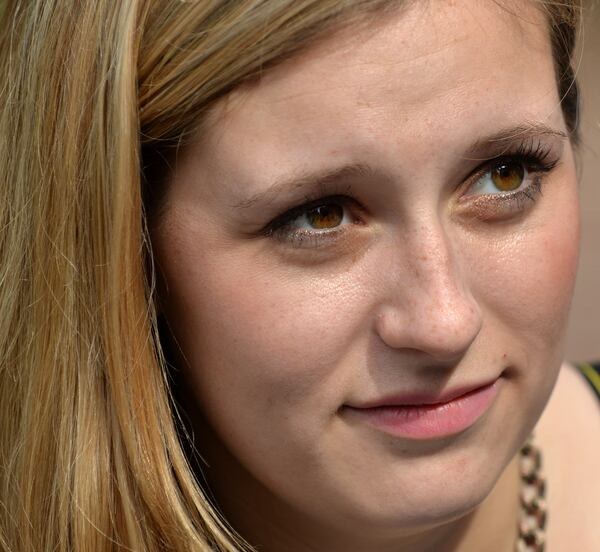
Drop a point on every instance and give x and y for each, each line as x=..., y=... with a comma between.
x=437, y=255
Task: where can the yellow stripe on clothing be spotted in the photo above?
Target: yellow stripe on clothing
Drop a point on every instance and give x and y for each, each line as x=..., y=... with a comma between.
x=590, y=373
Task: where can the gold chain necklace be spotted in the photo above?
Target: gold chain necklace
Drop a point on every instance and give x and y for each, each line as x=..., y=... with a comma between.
x=533, y=516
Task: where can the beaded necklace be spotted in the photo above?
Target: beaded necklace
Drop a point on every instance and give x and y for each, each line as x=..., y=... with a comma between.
x=533, y=517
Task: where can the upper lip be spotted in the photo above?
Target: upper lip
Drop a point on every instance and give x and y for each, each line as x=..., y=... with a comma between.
x=422, y=398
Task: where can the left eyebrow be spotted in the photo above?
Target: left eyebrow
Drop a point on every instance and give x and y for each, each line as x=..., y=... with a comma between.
x=499, y=142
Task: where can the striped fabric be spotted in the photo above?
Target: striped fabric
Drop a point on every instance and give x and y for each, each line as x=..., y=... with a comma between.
x=591, y=372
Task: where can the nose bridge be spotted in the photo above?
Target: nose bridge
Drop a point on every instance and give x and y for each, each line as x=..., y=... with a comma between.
x=436, y=312
x=434, y=267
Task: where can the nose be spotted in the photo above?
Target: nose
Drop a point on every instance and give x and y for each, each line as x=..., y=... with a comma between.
x=428, y=305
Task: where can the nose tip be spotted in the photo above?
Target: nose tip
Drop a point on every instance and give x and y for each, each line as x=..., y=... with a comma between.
x=442, y=331
x=450, y=330
x=440, y=319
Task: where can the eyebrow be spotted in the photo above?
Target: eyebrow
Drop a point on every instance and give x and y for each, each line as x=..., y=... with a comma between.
x=500, y=141
x=307, y=180
x=482, y=149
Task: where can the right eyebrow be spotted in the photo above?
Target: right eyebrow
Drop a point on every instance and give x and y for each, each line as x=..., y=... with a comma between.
x=304, y=180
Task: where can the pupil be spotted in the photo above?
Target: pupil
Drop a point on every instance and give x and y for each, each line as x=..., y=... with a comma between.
x=326, y=216
x=508, y=176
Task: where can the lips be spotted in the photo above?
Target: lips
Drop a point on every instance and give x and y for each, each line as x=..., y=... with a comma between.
x=422, y=398
x=427, y=416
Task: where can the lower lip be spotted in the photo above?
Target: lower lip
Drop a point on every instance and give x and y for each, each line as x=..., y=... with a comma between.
x=430, y=421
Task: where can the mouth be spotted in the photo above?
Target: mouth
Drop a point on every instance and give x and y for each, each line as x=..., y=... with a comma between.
x=421, y=418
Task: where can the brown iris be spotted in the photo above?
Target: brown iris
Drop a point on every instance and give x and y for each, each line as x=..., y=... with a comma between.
x=326, y=216
x=508, y=176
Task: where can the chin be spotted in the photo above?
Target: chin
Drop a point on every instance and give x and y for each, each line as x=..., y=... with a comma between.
x=426, y=509
x=437, y=489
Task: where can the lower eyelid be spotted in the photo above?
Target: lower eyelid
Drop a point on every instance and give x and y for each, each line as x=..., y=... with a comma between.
x=309, y=239
x=322, y=239
x=502, y=205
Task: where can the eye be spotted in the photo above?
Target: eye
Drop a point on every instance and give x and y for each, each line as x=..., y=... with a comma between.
x=315, y=221
x=503, y=176
x=321, y=217
x=509, y=185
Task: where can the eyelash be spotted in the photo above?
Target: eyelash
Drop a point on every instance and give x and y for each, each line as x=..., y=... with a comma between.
x=279, y=228
x=535, y=158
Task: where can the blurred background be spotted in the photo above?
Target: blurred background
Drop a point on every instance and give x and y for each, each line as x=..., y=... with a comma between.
x=583, y=338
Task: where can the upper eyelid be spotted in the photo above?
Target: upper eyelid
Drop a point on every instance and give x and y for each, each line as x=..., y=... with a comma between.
x=540, y=162
x=537, y=150
x=539, y=147
x=310, y=201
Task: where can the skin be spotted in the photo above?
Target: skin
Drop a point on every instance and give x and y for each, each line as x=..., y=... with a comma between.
x=428, y=284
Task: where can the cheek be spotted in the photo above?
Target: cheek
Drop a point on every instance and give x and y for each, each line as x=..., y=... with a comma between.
x=529, y=279
x=261, y=341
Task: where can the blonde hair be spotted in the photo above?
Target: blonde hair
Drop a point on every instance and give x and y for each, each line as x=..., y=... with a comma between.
x=93, y=96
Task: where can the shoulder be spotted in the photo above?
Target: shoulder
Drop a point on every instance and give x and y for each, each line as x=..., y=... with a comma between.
x=569, y=435
x=575, y=391
x=591, y=372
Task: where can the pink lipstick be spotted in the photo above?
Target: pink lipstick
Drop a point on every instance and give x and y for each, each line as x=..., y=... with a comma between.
x=429, y=420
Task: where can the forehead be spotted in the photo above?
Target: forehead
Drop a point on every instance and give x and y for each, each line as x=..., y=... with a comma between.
x=425, y=44
x=432, y=72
